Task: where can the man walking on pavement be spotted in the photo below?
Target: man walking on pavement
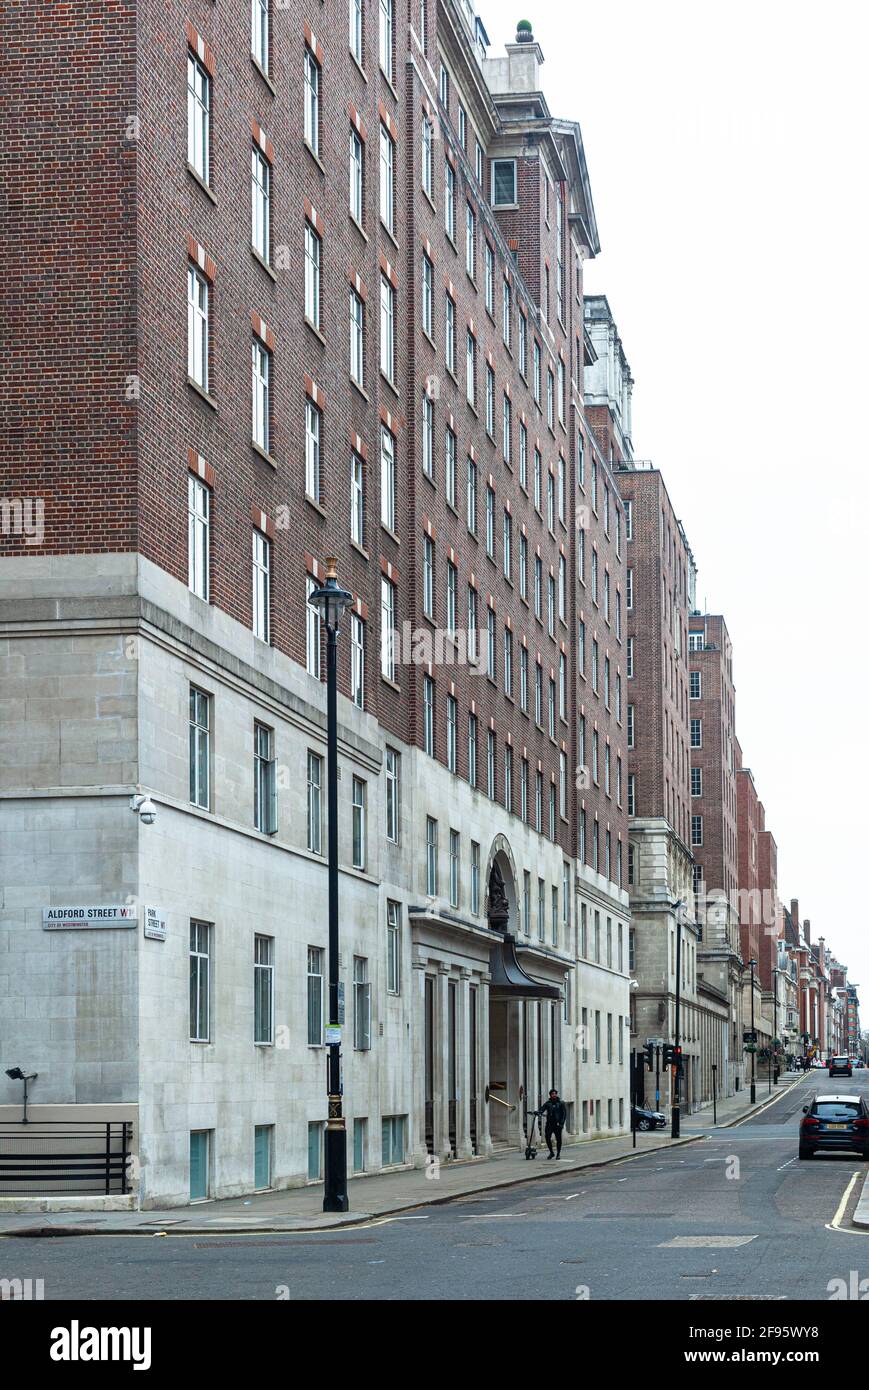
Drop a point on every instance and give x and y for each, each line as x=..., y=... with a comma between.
x=556, y=1116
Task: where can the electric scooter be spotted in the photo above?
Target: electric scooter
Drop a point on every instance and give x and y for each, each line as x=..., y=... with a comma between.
x=530, y=1150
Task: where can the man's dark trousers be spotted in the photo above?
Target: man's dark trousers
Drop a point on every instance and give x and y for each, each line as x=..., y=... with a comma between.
x=556, y=1130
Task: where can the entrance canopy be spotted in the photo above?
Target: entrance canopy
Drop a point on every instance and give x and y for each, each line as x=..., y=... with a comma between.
x=509, y=980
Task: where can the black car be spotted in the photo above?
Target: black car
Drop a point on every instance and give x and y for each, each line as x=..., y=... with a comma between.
x=840, y=1066
x=835, y=1123
x=648, y=1119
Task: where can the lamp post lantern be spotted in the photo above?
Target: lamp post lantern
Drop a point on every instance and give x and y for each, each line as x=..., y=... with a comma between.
x=332, y=602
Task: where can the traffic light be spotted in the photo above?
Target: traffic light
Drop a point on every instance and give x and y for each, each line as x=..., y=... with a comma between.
x=650, y=1056
x=667, y=1057
x=677, y=1058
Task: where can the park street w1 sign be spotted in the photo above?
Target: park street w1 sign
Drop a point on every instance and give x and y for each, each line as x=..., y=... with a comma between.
x=83, y=918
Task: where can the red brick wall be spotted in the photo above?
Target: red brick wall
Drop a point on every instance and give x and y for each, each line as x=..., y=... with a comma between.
x=67, y=269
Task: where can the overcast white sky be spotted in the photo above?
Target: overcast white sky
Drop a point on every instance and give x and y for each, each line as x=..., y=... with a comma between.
x=727, y=150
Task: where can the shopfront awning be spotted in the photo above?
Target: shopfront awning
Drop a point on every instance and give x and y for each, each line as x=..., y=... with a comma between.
x=509, y=980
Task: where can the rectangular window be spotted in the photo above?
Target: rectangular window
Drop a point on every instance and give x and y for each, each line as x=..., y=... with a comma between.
x=263, y=989
x=475, y=878
x=393, y=788
x=454, y=868
x=428, y=715
x=696, y=781
x=361, y=1005
x=386, y=38
x=387, y=628
x=265, y=795
x=200, y=1164
x=506, y=313
x=392, y=1137
x=450, y=201
x=197, y=327
x=472, y=497
x=541, y=910
x=315, y=996
x=312, y=634
x=357, y=166
x=356, y=31
x=312, y=102
x=313, y=262
x=427, y=297
x=357, y=499
x=315, y=1151
x=450, y=333
x=262, y=585
x=472, y=749
x=357, y=660
x=393, y=948
x=387, y=328
x=696, y=830
x=470, y=241
x=696, y=687
x=198, y=536
x=452, y=716
x=387, y=179
x=428, y=576
x=357, y=338
x=632, y=793
x=471, y=370
x=260, y=198
x=503, y=182
x=696, y=733
x=489, y=277
x=491, y=788
x=198, y=118
x=200, y=748
x=315, y=811
x=427, y=162
x=200, y=982
x=450, y=466
x=387, y=479
x=428, y=436
x=523, y=345
x=431, y=857
x=261, y=370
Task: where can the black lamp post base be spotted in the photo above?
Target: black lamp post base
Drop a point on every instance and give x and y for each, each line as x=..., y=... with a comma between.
x=335, y=1195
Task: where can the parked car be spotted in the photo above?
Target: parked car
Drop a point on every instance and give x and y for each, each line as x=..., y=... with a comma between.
x=840, y=1066
x=835, y=1123
x=648, y=1119
x=857, y=1062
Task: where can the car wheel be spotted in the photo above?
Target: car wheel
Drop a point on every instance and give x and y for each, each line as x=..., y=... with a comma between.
x=806, y=1153
x=643, y=1124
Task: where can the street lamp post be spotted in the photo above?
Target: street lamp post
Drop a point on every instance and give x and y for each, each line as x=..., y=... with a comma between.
x=752, y=963
x=332, y=602
x=675, y=1108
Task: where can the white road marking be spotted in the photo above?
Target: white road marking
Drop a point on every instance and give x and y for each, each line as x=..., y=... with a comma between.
x=786, y=1165
x=837, y=1219
x=705, y=1242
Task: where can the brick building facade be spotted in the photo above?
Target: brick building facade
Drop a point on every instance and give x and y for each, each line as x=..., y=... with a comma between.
x=336, y=307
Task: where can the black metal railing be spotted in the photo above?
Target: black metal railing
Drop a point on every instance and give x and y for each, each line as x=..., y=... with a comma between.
x=45, y=1157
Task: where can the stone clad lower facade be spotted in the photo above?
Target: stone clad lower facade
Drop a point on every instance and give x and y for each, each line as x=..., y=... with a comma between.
x=212, y=1038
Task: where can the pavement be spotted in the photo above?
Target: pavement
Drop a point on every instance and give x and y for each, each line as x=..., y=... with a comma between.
x=384, y=1194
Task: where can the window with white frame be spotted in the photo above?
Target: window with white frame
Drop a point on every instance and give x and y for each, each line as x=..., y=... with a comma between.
x=315, y=805
x=313, y=264
x=198, y=536
x=263, y=989
x=472, y=497
x=632, y=793
x=428, y=576
x=695, y=685
x=361, y=1005
x=491, y=787
x=508, y=662
x=315, y=995
x=450, y=465
x=262, y=586
x=452, y=719
x=428, y=715
x=696, y=830
x=312, y=101
x=393, y=947
x=428, y=436
x=260, y=202
x=313, y=423
x=387, y=628
x=472, y=624
x=197, y=327
x=696, y=733
x=387, y=478
x=431, y=857
x=261, y=370
x=387, y=328
x=200, y=982
x=393, y=795
x=507, y=431
x=450, y=201
x=471, y=370
x=454, y=868
x=490, y=520
x=356, y=29
x=357, y=660
x=452, y=581
x=523, y=679
x=491, y=654
x=357, y=499
x=312, y=632
x=475, y=878
x=357, y=169
x=450, y=332
x=523, y=566
x=198, y=118
x=508, y=544
x=357, y=338
x=427, y=287
x=358, y=822
x=387, y=19
x=696, y=781
x=472, y=750
x=489, y=276
x=387, y=179
x=470, y=241
x=506, y=312
x=427, y=158
x=265, y=794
